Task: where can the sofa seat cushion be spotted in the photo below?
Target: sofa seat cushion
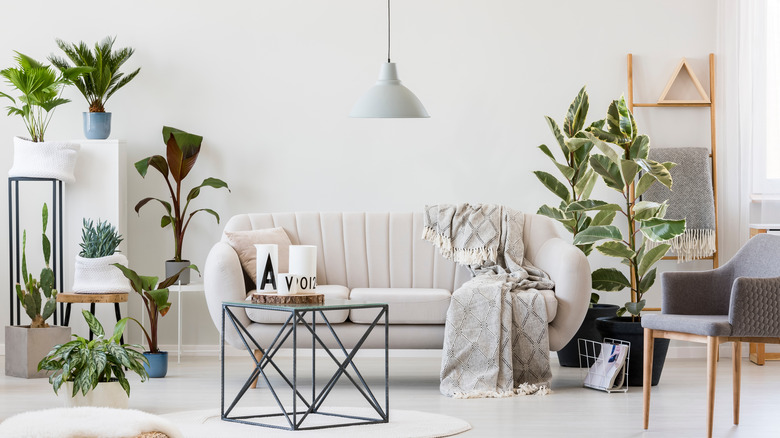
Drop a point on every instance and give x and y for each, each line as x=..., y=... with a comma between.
x=331, y=292
x=417, y=305
x=405, y=305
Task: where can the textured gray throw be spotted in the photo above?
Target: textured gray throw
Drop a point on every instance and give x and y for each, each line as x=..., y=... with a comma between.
x=496, y=340
x=691, y=198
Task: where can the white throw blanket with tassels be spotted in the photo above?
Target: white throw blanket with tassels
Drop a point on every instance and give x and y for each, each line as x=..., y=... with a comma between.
x=496, y=340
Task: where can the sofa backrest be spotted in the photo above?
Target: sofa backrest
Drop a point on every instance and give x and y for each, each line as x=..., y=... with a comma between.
x=364, y=249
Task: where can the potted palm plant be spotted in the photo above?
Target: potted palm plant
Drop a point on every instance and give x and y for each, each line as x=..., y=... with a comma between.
x=622, y=162
x=93, y=372
x=94, y=270
x=100, y=83
x=574, y=188
x=25, y=345
x=182, y=153
x=155, y=298
x=41, y=88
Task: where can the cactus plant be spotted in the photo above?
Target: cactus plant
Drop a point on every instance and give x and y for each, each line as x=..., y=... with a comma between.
x=30, y=295
x=98, y=241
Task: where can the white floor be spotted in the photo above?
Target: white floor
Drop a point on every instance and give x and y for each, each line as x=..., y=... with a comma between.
x=678, y=403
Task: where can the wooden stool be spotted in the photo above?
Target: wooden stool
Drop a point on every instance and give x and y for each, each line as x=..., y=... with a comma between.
x=71, y=297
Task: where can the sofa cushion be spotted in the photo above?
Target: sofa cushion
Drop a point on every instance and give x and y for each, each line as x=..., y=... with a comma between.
x=278, y=317
x=417, y=305
x=244, y=243
x=406, y=305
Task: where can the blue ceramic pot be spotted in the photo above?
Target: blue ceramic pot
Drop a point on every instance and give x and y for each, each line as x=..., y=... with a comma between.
x=158, y=363
x=97, y=126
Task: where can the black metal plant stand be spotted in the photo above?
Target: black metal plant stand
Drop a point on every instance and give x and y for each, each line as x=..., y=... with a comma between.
x=15, y=240
x=311, y=406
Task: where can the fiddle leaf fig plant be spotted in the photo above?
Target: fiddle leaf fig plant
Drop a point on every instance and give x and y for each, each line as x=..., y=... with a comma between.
x=182, y=153
x=623, y=160
x=577, y=178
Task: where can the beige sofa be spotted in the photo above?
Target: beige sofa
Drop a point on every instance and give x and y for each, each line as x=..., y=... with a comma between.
x=380, y=257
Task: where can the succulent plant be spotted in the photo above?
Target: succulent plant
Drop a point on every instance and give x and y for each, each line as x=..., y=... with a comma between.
x=98, y=241
x=30, y=295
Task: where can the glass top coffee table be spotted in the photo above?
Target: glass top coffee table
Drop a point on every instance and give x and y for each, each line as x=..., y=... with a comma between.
x=304, y=407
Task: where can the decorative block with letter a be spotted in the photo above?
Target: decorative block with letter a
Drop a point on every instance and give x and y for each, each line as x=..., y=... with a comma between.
x=267, y=266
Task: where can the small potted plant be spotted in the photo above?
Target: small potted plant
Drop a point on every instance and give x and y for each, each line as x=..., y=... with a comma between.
x=574, y=189
x=100, y=83
x=182, y=153
x=93, y=372
x=94, y=270
x=623, y=159
x=41, y=88
x=25, y=345
x=155, y=298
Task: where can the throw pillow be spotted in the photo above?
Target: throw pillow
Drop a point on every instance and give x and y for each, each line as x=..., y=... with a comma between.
x=244, y=243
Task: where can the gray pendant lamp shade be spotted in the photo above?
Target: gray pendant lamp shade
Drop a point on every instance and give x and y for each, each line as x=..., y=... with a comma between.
x=388, y=98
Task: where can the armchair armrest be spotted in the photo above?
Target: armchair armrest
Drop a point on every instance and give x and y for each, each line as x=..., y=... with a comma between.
x=569, y=269
x=223, y=280
x=755, y=307
x=695, y=293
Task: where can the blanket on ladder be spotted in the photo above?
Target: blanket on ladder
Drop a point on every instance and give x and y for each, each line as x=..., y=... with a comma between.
x=496, y=341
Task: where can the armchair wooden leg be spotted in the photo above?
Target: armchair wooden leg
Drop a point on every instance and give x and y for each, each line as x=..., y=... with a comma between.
x=647, y=375
x=712, y=358
x=258, y=356
x=736, y=353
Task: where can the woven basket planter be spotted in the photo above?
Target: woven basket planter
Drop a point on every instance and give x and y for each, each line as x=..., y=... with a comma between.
x=47, y=159
x=95, y=276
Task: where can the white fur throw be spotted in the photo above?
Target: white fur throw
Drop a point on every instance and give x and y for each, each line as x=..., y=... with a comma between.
x=85, y=422
x=99, y=275
x=49, y=159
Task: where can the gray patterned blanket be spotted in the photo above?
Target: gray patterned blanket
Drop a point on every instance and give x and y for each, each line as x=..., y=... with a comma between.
x=496, y=341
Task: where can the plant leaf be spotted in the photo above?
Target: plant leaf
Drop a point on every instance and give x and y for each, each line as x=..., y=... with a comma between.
x=578, y=111
x=594, y=234
x=591, y=204
x=94, y=325
x=616, y=249
x=659, y=230
x=640, y=148
x=609, y=172
x=604, y=217
x=649, y=258
x=609, y=280
x=647, y=281
x=552, y=184
x=635, y=308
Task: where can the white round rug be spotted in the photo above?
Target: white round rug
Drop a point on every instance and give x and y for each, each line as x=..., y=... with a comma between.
x=403, y=424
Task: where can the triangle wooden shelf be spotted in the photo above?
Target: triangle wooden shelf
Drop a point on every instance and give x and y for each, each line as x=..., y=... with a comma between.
x=683, y=64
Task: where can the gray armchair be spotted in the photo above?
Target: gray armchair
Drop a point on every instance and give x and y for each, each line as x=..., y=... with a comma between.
x=738, y=302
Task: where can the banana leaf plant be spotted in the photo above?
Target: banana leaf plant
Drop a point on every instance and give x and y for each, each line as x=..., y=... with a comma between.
x=155, y=298
x=624, y=166
x=182, y=150
x=577, y=179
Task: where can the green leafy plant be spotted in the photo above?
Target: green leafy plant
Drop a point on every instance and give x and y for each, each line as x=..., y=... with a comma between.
x=104, y=79
x=30, y=295
x=623, y=159
x=98, y=241
x=182, y=153
x=577, y=178
x=41, y=88
x=87, y=363
x=155, y=298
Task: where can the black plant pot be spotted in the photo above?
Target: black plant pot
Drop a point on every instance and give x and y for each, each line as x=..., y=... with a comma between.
x=626, y=330
x=569, y=355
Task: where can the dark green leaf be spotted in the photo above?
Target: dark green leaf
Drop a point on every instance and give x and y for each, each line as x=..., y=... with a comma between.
x=616, y=249
x=635, y=308
x=647, y=281
x=659, y=230
x=609, y=172
x=649, y=258
x=609, y=280
x=640, y=148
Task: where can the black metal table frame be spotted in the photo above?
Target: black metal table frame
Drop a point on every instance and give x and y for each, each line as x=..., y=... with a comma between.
x=290, y=327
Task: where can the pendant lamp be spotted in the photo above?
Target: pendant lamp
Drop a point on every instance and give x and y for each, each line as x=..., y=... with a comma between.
x=388, y=98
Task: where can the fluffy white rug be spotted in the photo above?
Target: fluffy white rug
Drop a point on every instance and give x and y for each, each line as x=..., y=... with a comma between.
x=85, y=422
x=403, y=424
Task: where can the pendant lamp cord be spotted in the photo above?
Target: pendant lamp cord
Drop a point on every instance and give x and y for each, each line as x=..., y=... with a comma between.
x=388, y=31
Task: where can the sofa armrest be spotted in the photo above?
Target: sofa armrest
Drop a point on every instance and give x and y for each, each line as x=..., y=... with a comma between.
x=695, y=293
x=755, y=307
x=223, y=280
x=569, y=269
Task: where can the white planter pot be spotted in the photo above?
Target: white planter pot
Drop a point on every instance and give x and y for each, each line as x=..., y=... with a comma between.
x=94, y=276
x=107, y=394
x=47, y=159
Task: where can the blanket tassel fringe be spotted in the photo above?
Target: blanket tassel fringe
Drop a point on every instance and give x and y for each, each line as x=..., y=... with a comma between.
x=473, y=256
x=523, y=389
x=691, y=245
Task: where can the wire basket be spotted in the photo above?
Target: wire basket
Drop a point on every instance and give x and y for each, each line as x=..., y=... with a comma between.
x=602, y=374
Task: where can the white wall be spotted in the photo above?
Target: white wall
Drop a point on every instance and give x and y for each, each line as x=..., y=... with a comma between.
x=269, y=85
